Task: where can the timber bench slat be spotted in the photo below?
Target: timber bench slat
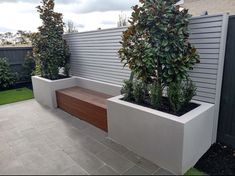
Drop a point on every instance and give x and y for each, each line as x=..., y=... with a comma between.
x=85, y=104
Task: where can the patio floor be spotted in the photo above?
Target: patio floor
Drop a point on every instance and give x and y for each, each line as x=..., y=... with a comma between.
x=37, y=140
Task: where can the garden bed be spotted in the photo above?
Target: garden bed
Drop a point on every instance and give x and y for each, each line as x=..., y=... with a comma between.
x=165, y=107
x=219, y=160
x=15, y=95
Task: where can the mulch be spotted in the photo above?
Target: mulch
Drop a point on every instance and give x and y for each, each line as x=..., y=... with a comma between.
x=219, y=160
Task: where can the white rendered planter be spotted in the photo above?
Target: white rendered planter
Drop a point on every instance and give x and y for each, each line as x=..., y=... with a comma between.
x=44, y=89
x=172, y=142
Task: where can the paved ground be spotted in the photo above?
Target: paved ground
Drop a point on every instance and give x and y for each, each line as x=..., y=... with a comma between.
x=37, y=140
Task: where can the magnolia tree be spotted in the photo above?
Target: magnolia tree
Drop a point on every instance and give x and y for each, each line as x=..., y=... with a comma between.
x=156, y=49
x=49, y=47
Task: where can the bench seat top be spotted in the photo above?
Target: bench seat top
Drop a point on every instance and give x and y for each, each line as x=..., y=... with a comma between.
x=92, y=97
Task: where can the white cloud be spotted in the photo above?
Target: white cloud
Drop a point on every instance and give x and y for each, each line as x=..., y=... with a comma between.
x=86, y=6
x=19, y=16
x=86, y=14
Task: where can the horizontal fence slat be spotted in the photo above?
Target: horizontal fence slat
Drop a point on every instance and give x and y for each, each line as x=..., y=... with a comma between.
x=205, y=85
x=206, y=66
x=115, y=38
x=205, y=40
x=203, y=75
x=207, y=46
x=202, y=70
x=208, y=51
x=205, y=99
x=106, y=71
x=205, y=36
x=206, y=19
x=95, y=48
x=206, y=90
x=206, y=30
x=209, y=56
x=203, y=80
x=205, y=25
x=95, y=44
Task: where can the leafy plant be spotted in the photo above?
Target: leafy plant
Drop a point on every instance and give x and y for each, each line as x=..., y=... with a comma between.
x=176, y=96
x=155, y=99
x=189, y=90
x=180, y=94
x=7, y=78
x=156, y=47
x=28, y=67
x=127, y=90
x=49, y=47
x=139, y=92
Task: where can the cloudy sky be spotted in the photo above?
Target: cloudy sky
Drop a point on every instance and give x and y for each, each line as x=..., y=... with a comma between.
x=86, y=14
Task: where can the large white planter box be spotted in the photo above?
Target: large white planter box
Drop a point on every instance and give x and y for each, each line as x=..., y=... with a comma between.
x=44, y=89
x=172, y=142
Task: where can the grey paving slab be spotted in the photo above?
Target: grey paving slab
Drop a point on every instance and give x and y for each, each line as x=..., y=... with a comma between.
x=11, y=135
x=141, y=162
x=74, y=170
x=7, y=159
x=162, y=172
x=117, y=162
x=114, y=146
x=85, y=159
x=36, y=140
x=105, y=170
x=21, y=146
x=91, y=145
x=135, y=171
x=3, y=145
x=60, y=161
x=95, y=133
x=13, y=168
x=6, y=125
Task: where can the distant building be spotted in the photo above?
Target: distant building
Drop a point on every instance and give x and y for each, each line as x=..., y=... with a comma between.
x=199, y=7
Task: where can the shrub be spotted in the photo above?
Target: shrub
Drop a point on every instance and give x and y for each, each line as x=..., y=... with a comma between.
x=175, y=96
x=127, y=90
x=155, y=99
x=180, y=94
x=49, y=47
x=28, y=67
x=139, y=91
x=7, y=78
x=189, y=91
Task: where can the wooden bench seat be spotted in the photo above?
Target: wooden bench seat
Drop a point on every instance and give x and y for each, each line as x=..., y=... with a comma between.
x=85, y=104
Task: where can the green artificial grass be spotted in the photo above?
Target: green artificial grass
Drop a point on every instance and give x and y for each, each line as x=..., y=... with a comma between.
x=15, y=95
x=194, y=171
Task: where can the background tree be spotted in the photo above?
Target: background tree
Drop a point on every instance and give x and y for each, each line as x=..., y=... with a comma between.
x=19, y=38
x=6, y=39
x=22, y=38
x=49, y=47
x=122, y=21
x=70, y=27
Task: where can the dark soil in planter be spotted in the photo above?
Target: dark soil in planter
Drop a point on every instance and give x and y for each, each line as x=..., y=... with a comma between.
x=60, y=77
x=165, y=107
x=218, y=160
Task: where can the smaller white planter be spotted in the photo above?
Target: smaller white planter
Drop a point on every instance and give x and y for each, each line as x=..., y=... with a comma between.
x=172, y=142
x=44, y=89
